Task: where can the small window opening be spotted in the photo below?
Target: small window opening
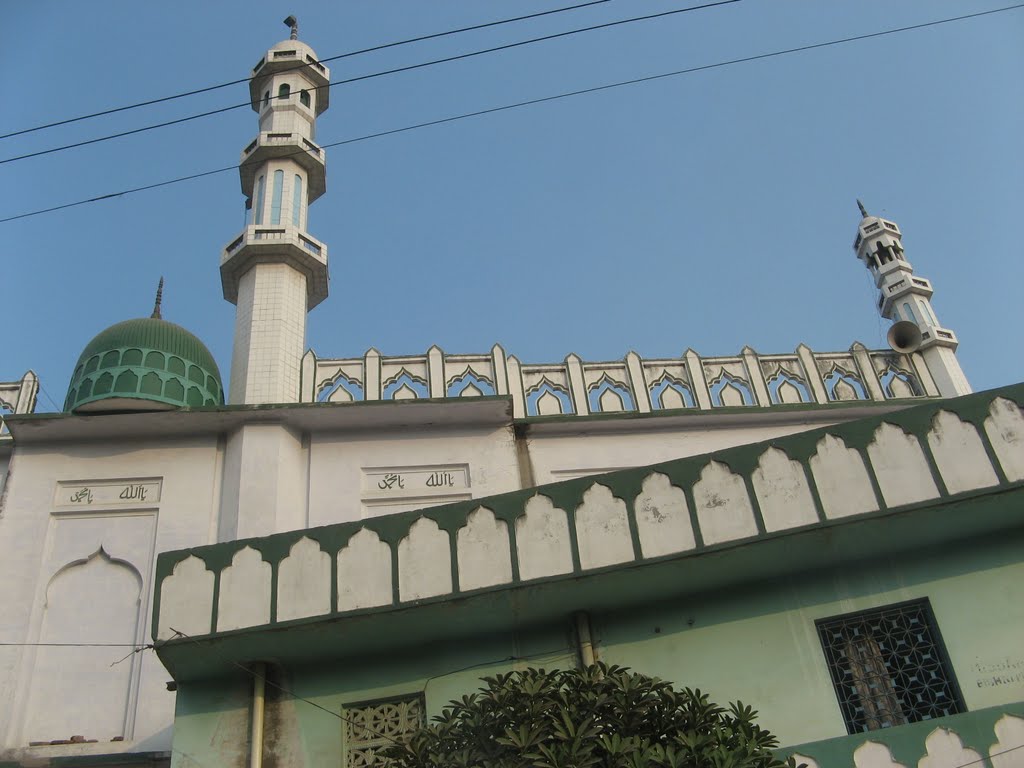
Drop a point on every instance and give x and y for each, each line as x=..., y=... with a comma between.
x=889, y=667
x=284, y=91
x=304, y=98
x=266, y=98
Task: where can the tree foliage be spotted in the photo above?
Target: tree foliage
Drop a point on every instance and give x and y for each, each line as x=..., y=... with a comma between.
x=599, y=717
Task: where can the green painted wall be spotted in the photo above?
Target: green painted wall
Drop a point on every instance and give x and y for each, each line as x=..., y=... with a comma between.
x=759, y=644
x=756, y=643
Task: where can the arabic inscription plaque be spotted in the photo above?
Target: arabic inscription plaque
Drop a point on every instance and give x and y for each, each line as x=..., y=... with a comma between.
x=103, y=494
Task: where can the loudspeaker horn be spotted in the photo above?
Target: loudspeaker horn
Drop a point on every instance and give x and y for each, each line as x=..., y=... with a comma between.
x=904, y=337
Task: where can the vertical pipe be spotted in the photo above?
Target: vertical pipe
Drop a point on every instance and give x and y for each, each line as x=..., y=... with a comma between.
x=259, y=687
x=584, y=641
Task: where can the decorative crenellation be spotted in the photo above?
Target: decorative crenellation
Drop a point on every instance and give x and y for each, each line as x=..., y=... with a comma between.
x=17, y=397
x=633, y=384
x=988, y=737
x=919, y=456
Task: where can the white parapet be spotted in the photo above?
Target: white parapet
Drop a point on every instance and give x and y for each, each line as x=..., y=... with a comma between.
x=576, y=387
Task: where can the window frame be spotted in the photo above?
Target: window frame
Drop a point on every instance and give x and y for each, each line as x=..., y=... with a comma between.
x=354, y=705
x=938, y=645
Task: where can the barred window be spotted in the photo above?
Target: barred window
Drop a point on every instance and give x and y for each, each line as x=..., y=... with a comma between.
x=373, y=725
x=889, y=667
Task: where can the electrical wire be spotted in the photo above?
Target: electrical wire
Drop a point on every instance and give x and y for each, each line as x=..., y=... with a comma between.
x=372, y=49
x=57, y=408
x=511, y=658
x=372, y=75
x=282, y=689
x=361, y=725
x=529, y=102
x=137, y=646
x=990, y=755
x=561, y=652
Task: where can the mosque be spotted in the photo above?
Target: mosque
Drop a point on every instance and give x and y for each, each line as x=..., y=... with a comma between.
x=307, y=564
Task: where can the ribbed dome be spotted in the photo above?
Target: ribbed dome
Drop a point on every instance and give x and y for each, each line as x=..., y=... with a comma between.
x=144, y=364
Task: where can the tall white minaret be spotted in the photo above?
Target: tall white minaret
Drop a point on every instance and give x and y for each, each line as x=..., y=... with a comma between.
x=905, y=297
x=274, y=271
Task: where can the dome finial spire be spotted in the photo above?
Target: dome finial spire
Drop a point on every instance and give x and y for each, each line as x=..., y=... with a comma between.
x=292, y=22
x=863, y=210
x=159, y=299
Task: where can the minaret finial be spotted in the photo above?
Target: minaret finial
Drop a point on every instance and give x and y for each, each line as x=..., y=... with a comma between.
x=159, y=299
x=292, y=22
x=863, y=210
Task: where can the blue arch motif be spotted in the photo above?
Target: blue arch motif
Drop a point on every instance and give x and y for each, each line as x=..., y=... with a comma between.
x=837, y=375
x=785, y=377
x=892, y=374
x=668, y=382
x=341, y=381
x=719, y=385
x=459, y=384
x=606, y=384
x=4, y=408
x=417, y=385
x=546, y=387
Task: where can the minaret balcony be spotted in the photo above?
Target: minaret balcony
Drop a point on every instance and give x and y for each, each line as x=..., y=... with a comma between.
x=285, y=146
x=275, y=244
x=893, y=292
x=938, y=337
x=286, y=57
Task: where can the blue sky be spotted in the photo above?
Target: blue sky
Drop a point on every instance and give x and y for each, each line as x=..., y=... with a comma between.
x=712, y=211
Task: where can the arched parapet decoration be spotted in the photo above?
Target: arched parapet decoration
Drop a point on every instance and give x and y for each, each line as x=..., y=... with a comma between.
x=483, y=551
x=340, y=389
x=786, y=387
x=841, y=385
x=609, y=396
x=364, y=572
x=405, y=386
x=547, y=399
x=726, y=389
x=5, y=407
x=186, y=599
x=669, y=392
x=898, y=383
x=470, y=384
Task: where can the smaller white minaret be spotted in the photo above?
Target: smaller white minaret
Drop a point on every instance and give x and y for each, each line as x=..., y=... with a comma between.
x=275, y=271
x=903, y=297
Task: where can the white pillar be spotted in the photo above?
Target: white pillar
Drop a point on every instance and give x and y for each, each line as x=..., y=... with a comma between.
x=270, y=335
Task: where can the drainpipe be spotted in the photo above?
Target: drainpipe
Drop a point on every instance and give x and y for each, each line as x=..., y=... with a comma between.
x=583, y=639
x=259, y=687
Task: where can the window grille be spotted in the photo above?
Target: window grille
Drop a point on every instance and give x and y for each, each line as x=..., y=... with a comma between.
x=375, y=725
x=889, y=667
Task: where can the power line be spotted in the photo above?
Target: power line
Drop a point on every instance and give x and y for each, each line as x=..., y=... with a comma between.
x=530, y=102
x=371, y=76
x=558, y=652
x=372, y=49
x=991, y=755
x=137, y=646
x=256, y=676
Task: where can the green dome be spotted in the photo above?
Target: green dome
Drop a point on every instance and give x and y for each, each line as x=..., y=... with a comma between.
x=143, y=365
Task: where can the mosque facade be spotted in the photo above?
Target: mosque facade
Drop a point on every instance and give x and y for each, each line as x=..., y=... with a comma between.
x=304, y=564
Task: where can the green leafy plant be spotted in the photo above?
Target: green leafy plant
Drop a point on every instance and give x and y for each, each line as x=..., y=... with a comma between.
x=598, y=717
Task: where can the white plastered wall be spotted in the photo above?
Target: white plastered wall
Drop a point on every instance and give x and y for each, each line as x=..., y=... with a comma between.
x=51, y=548
x=565, y=456
x=265, y=482
x=346, y=471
